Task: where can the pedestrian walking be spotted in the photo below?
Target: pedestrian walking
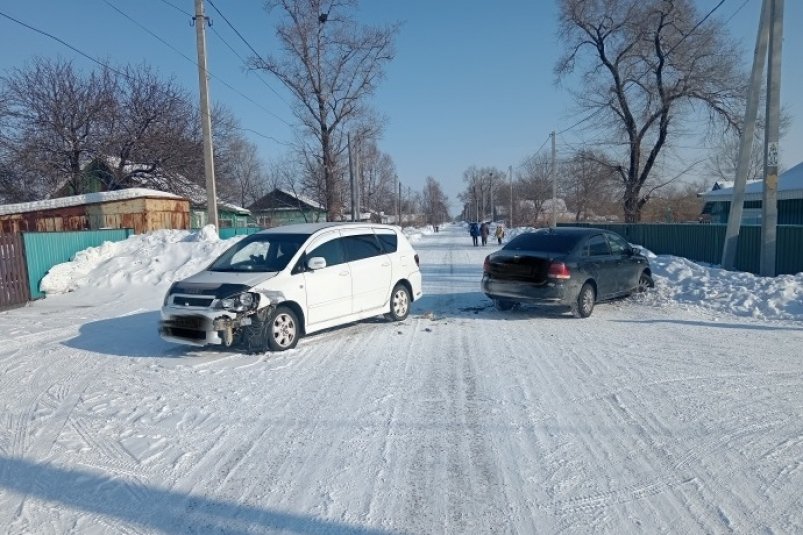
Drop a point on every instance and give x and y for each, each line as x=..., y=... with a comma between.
x=474, y=230
x=484, y=231
x=500, y=233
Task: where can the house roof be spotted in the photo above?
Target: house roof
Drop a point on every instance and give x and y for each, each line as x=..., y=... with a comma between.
x=87, y=198
x=790, y=186
x=310, y=228
x=281, y=198
x=158, y=180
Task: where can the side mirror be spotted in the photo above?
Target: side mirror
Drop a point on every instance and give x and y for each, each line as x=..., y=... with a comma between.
x=316, y=262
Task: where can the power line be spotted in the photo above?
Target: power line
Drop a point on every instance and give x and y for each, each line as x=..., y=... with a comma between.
x=260, y=78
x=542, y=145
x=243, y=39
x=63, y=42
x=174, y=6
x=737, y=11
x=217, y=78
x=581, y=121
x=106, y=66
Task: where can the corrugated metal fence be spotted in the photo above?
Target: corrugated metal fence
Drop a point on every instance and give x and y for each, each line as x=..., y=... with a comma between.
x=43, y=250
x=703, y=243
x=226, y=233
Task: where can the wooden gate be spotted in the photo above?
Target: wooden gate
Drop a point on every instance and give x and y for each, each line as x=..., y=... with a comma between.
x=13, y=274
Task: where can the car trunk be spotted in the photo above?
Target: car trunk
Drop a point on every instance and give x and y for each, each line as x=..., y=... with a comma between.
x=531, y=267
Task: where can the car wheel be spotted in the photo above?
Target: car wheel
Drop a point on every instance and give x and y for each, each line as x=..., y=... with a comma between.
x=504, y=304
x=645, y=282
x=584, y=305
x=399, y=303
x=282, y=329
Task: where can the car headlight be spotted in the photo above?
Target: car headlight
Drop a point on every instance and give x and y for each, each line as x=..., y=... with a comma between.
x=168, y=294
x=240, y=302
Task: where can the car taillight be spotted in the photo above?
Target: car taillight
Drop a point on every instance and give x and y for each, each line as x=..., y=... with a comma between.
x=416, y=261
x=559, y=270
x=486, y=265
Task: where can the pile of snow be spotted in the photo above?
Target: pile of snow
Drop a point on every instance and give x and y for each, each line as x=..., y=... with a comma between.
x=164, y=256
x=415, y=234
x=159, y=257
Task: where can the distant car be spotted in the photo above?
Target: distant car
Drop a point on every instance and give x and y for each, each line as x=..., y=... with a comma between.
x=273, y=287
x=565, y=266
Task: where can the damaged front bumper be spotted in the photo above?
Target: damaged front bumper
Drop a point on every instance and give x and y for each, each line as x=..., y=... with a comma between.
x=201, y=327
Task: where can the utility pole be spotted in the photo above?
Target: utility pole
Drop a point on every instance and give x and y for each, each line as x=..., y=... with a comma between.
x=398, y=205
x=554, y=222
x=206, y=117
x=510, y=218
x=491, y=187
x=769, y=203
x=351, y=179
x=476, y=202
x=746, y=141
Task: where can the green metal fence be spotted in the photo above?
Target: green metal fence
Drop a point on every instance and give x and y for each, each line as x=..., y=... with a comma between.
x=226, y=233
x=703, y=243
x=43, y=250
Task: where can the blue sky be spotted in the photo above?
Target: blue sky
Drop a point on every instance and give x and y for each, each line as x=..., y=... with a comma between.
x=471, y=84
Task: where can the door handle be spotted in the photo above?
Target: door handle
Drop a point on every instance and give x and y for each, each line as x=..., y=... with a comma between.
x=344, y=273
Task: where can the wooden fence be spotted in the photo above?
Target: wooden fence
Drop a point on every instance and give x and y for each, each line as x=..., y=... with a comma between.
x=13, y=274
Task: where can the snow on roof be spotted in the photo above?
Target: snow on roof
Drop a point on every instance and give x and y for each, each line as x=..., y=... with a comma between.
x=790, y=186
x=178, y=182
x=87, y=198
x=306, y=200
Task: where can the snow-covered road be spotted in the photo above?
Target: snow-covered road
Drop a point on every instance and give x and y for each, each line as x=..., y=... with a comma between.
x=647, y=417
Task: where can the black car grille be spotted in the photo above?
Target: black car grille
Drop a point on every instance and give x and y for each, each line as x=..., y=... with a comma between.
x=182, y=300
x=187, y=334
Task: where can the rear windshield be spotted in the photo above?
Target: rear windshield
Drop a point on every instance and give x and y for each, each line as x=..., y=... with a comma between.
x=548, y=242
x=260, y=252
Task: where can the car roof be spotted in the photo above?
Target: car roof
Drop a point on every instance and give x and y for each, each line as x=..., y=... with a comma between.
x=312, y=228
x=574, y=231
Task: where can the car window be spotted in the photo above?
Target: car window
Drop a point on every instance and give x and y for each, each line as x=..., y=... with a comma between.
x=331, y=251
x=260, y=252
x=598, y=246
x=389, y=242
x=618, y=245
x=361, y=246
x=543, y=241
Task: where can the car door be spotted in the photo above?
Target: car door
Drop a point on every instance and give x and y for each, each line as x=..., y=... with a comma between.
x=600, y=264
x=371, y=269
x=625, y=270
x=328, y=290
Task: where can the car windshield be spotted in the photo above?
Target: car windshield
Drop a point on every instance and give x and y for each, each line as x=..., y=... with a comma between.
x=260, y=252
x=548, y=242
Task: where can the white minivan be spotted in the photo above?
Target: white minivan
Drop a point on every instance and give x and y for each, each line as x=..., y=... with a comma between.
x=271, y=288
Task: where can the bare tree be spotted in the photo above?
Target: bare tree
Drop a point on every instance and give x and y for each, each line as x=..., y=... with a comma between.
x=149, y=127
x=55, y=119
x=533, y=188
x=243, y=177
x=377, y=179
x=434, y=202
x=589, y=183
x=645, y=65
x=725, y=159
x=330, y=65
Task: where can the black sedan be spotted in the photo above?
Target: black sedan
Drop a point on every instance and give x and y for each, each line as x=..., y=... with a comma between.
x=566, y=266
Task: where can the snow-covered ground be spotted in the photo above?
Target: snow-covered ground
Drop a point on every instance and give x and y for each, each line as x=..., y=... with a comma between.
x=679, y=411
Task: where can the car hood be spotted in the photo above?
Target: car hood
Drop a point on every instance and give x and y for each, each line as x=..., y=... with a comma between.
x=226, y=277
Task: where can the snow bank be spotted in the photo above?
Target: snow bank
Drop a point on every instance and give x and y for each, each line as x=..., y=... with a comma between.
x=150, y=259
